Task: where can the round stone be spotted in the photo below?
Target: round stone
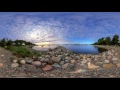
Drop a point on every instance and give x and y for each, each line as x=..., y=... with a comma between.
x=65, y=65
x=36, y=63
x=107, y=66
x=22, y=62
x=1, y=64
x=14, y=65
x=47, y=68
x=15, y=61
x=62, y=62
x=106, y=61
x=29, y=61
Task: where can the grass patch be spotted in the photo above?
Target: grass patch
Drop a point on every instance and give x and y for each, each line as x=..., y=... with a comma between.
x=22, y=51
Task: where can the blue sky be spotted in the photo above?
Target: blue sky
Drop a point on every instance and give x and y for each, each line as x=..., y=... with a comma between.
x=59, y=27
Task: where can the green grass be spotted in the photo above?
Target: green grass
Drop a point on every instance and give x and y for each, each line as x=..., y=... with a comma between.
x=22, y=51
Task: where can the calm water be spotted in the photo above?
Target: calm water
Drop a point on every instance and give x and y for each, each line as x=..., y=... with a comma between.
x=82, y=49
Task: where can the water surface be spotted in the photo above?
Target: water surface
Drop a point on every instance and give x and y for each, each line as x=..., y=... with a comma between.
x=81, y=49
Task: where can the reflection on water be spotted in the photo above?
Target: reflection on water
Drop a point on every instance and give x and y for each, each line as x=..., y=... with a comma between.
x=82, y=49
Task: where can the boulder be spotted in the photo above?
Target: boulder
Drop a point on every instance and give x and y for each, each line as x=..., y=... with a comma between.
x=47, y=68
x=36, y=63
x=14, y=65
x=92, y=66
x=22, y=62
x=55, y=65
x=65, y=65
x=56, y=59
x=107, y=66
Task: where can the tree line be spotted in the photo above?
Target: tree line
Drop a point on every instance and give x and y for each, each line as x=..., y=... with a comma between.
x=7, y=42
x=108, y=41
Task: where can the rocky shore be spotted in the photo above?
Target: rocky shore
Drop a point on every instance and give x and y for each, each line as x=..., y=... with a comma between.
x=62, y=63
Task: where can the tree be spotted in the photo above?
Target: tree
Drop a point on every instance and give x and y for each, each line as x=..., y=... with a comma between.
x=9, y=42
x=107, y=40
x=115, y=40
x=3, y=42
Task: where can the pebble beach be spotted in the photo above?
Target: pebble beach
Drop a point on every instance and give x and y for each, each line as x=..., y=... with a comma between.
x=62, y=63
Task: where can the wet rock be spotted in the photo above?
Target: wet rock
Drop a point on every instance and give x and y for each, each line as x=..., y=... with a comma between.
x=107, y=66
x=92, y=66
x=47, y=68
x=65, y=65
x=14, y=65
x=56, y=65
x=36, y=63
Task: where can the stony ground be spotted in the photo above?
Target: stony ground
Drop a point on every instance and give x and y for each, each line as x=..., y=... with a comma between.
x=104, y=65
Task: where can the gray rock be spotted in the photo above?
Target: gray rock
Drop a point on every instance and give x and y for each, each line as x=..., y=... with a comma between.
x=22, y=62
x=67, y=61
x=65, y=65
x=71, y=66
x=14, y=65
x=62, y=62
x=29, y=61
x=43, y=64
x=36, y=63
x=56, y=59
x=56, y=65
x=66, y=57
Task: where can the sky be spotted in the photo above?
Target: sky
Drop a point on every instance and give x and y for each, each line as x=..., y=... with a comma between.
x=59, y=27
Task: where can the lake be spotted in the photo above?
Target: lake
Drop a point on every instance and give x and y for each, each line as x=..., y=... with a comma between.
x=81, y=49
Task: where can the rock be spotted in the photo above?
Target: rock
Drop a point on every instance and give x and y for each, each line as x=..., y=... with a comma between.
x=72, y=61
x=47, y=68
x=118, y=64
x=36, y=63
x=104, y=56
x=116, y=54
x=46, y=60
x=109, y=57
x=2, y=55
x=42, y=59
x=88, y=59
x=56, y=59
x=115, y=58
x=62, y=62
x=22, y=62
x=107, y=66
x=78, y=71
x=65, y=65
x=106, y=61
x=71, y=66
x=29, y=61
x=14, y=65
x=50, y=62
x=92, y=66
x=56, y=65
x=84, y=61
x=77, y=57
x=43, y=64
x=67, y=61
x=15, y=61
x=1, y=64
x=67, y=58
x=47, y=56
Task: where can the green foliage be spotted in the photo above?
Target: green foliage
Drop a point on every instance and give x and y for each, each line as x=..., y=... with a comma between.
x=115, y=40
x=108, y=41
x=3, y=42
